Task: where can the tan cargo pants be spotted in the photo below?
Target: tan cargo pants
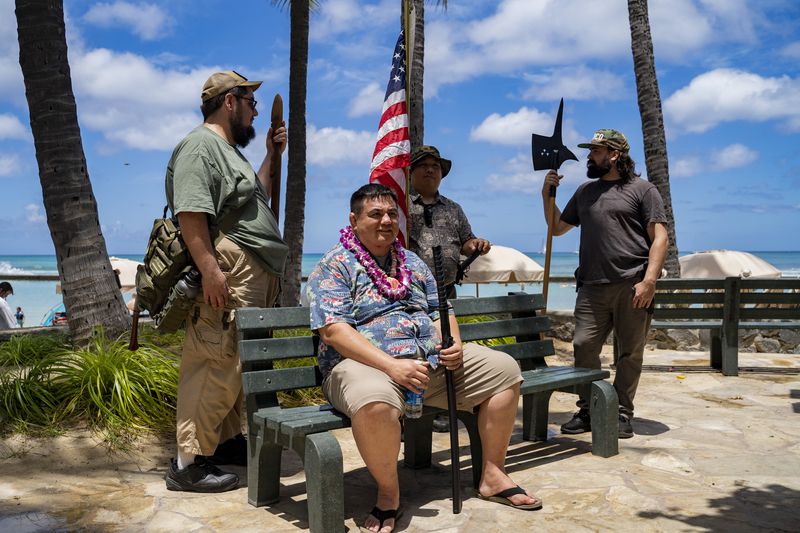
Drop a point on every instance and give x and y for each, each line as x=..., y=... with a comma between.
x=210, y=396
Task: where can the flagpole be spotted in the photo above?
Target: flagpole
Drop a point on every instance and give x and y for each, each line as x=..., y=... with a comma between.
x=409, y=45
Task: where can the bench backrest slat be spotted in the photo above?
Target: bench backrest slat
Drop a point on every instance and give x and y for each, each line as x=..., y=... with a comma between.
x=503, y=328
x=257, y=319
x=710, y=313
x=527, y=350
x=280, y=379
x=750, y=313
x=782, y=283
x=514, y=303
x=272, y=349
x=669, y=298
x=781, y=298
x=689, y=283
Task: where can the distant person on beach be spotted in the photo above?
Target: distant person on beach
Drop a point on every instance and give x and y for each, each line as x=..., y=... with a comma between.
x=438, y=221
x=20, y=316
x=623, y=243
x=236, y=245
x=7, y=319
x=375, y=307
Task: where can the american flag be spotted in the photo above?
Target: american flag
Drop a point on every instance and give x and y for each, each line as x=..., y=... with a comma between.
x=393, y=148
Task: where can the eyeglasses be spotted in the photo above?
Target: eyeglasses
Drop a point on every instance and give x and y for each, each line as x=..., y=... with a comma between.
x=252, y=101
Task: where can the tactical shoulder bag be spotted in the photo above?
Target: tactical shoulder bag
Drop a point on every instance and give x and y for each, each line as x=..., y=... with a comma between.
x=165, y=261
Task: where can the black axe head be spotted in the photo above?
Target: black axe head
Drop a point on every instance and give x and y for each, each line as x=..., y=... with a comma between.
x=550, y=152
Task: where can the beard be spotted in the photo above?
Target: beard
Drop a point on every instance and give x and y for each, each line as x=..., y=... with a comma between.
x=597, y=170
x=242, y=134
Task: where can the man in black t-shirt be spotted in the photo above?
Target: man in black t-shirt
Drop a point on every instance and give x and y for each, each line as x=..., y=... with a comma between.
x=623, y=244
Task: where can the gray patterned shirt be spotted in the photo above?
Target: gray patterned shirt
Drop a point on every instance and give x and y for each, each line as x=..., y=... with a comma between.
x=449, y=229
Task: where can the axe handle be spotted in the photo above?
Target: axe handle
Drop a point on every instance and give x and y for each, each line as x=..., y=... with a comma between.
x=549, y=251
x=276, y=121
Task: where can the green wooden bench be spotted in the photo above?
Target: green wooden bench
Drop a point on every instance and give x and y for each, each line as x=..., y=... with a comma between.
x=725, y=306
x=306, y=430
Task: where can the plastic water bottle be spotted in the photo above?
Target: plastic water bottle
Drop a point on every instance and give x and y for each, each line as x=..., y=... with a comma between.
x=412, y=408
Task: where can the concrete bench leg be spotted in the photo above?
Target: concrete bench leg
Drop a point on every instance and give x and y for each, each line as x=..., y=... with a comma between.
x=535, y=408
x=730, y=354
x=476, y=449
x=418, y=441
x=324, y=483
x=263, y=470
x=604, y=410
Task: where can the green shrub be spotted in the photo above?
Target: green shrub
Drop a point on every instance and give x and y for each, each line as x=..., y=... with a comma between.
x=24, y=350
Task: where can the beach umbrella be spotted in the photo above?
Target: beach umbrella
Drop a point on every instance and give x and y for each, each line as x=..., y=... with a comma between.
x=504, y=265
x=127, y=272
x=726, y=263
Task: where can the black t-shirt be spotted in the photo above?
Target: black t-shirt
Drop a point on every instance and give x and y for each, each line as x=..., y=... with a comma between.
x=613, y=216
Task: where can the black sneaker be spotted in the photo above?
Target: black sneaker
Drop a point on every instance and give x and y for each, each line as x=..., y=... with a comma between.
x=441, y=423
x=625, y=427
x=231, y=452
x=199, y=477
x=580, y=423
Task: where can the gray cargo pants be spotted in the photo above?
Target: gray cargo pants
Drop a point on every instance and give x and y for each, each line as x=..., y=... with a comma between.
x=598, y=310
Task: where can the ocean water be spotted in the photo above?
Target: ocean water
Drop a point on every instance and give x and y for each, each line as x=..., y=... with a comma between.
x=37, y=297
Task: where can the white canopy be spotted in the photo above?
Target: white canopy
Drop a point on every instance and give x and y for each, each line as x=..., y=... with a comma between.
x=726, y=263
x=504, y=265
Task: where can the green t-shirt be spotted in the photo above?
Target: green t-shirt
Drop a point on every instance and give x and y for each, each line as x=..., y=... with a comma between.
x=207, y=175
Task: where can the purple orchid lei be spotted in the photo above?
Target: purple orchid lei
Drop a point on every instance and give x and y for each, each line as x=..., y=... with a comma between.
x=400, y=272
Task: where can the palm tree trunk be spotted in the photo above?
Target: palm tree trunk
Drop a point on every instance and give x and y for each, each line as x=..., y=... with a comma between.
x=296, y=167
x=655, y=142
x=89, y=287
x=416, y=99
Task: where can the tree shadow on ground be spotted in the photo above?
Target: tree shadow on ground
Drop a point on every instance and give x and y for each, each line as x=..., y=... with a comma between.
x=795, y=393
x=771, y=508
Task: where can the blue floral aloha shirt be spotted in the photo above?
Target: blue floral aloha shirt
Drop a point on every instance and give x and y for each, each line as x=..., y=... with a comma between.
x=340, y=290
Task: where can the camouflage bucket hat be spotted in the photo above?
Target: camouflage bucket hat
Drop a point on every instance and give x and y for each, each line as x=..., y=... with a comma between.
x=222, y=82
x=418, y=154
x=610, y=138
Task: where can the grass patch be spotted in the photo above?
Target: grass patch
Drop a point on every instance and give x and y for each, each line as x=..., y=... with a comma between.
x=118, y=393
x=24, y=350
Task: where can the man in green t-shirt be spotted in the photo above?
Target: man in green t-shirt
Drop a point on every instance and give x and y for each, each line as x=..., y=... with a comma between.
x=234, y=240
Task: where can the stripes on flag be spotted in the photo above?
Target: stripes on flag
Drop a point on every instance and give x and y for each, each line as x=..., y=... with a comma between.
x=393, y=147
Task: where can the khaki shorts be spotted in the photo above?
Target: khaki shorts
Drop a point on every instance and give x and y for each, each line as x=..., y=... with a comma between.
x=352, y=385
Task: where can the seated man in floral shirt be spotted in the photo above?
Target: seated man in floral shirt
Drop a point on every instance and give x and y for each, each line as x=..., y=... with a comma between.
x=374, y=305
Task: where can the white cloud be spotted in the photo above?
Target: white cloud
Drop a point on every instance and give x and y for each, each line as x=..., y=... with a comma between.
x=12, y=128
x=339, y=146
x=9, y=164
x=726, y=95
x=148, y=21
x=733, y=156
x=33, y=213
x=512, y=129
x=518, y=176
x=351, y=16
x=515, y=128
x=519, y=35
x=791, y=50
x=727, y=158
x=368, y=101
x=575, y=83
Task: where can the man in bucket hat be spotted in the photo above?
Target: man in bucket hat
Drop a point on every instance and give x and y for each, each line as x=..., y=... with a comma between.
x=235, y=243
x=438, y=221
x=623, y=244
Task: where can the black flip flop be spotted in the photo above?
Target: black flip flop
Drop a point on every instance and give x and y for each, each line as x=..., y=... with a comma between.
x=503, y=496
x=383, y=516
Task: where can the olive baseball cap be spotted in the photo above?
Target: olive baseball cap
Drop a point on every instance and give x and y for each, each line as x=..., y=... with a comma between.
x=222, y=82
x=610, y=138
x=418, y=154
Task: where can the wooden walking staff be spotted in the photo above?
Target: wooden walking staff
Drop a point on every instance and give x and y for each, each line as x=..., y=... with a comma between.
x=447, y=341
x=548, y=153
x=276, y=121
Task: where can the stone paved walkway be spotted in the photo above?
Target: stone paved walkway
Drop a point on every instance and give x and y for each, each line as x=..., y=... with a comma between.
x=711, y=453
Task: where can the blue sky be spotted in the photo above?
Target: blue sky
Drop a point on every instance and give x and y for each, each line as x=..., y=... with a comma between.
x=494, y=71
